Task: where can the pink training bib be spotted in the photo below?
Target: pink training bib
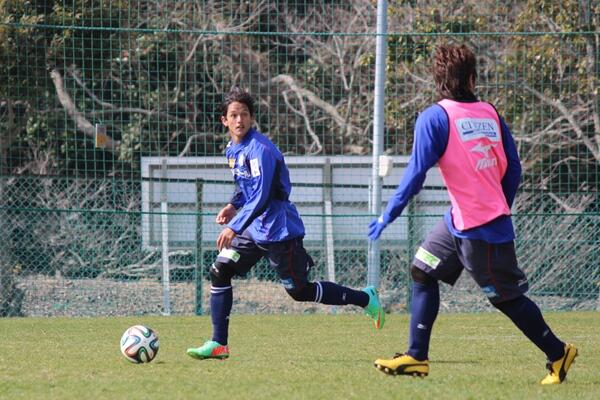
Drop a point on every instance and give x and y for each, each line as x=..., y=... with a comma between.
x=474, y=163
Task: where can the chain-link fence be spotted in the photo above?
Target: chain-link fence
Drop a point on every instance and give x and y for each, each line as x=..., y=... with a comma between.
x=94, y=89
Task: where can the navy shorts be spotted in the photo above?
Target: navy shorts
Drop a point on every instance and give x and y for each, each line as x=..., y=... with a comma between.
x=492, y=265
x=288, y=258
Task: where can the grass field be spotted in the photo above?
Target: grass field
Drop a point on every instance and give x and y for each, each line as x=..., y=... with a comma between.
x=473, y=356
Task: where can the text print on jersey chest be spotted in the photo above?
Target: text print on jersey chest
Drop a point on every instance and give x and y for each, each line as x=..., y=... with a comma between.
x=477, y=128
x=239, y=167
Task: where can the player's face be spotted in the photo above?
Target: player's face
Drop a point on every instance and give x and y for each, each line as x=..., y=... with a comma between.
x=238, y=121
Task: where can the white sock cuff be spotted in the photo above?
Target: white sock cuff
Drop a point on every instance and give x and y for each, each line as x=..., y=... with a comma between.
x=217, y=290
x=319, y=295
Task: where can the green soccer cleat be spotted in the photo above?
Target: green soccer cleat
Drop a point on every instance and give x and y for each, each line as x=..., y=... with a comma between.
x=374, y=308
x=403, y=364
x=559, y=368
x=210, y=349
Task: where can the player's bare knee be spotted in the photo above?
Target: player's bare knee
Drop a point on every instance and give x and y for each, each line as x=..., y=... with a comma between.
x=419, y=276
x=220, y=275
x=305, y=293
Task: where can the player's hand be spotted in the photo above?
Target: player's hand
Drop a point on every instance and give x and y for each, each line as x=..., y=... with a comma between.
x=225, y=215
x=376, y=227
x=225, y=238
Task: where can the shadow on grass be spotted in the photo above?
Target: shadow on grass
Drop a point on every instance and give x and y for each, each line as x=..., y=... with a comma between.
x=455, y=362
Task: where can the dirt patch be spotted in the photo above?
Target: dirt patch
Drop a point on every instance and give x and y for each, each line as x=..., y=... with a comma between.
x=51, y=296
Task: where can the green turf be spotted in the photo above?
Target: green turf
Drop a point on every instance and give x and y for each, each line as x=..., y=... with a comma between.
x=473, y=356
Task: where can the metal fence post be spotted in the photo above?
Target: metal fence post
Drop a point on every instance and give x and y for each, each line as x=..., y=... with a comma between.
x=164, y=222
x=199, y=270
x=412, y=239
x=374, y=267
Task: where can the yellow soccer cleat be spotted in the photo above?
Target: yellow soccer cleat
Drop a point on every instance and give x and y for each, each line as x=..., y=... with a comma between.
x=559, y=368
x=403, y=364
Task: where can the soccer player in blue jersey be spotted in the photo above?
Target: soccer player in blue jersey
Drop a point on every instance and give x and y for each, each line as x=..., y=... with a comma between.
x=478, y=160
x=261, y=221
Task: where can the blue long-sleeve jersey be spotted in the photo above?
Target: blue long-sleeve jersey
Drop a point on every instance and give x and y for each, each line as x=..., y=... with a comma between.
x=430, y=141
x=262, y=191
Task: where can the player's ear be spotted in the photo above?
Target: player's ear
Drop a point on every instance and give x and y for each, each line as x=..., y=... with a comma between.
x=224, y=120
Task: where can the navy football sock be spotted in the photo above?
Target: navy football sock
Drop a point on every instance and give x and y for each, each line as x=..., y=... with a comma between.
x=526, y=315
x=424, y=308
x=221, y=299
x=338, y=295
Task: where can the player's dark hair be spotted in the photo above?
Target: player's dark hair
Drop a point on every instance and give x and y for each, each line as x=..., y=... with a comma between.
x=453, y=69
x=240, y=96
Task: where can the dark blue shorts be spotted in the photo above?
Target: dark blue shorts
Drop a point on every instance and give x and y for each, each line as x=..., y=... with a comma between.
x=493, y=266
x=288, y=258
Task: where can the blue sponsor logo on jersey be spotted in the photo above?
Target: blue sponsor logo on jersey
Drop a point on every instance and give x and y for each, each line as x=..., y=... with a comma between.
x=241, y=172
x=240, y=167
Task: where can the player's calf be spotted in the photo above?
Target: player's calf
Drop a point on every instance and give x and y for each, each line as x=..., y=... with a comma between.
x=305, y=293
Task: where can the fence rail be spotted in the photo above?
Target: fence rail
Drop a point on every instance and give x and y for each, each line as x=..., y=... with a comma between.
x=93, y=90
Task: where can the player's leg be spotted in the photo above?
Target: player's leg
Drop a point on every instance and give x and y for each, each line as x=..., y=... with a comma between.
x=435, y=260
x=236, y=260
x=494, y=267
x=424, y=307
x=526, y=315
x=292, y=263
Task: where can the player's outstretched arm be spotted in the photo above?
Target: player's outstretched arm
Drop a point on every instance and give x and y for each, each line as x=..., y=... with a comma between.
x=430, y=140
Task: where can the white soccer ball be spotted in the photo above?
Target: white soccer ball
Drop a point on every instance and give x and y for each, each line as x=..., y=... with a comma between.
x=139, y=344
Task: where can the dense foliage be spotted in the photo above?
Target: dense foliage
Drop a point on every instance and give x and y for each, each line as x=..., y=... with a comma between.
x=153, y=72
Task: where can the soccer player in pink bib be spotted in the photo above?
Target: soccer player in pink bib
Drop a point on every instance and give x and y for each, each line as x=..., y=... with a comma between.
x=478, y=160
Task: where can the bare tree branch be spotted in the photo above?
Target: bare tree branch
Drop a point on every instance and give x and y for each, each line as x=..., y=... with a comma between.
x=303, y=113
x=191, y=139
x=81, y=122
x=594, y=148
x=111, y=109
x=311, y=97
